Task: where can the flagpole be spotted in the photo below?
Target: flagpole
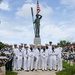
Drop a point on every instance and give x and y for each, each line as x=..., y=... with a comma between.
x=38, y=7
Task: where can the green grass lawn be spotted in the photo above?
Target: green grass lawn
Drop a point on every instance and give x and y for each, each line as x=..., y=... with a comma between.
x=69, y=70
x=11, y=73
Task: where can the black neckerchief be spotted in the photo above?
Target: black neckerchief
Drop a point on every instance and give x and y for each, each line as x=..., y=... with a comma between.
x=31, y=49
x=43, y=49
x=46, y=47
x=39, y=49
x=53, y=50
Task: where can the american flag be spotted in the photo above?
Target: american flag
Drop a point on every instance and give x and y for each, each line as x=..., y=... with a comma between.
x=38, y=8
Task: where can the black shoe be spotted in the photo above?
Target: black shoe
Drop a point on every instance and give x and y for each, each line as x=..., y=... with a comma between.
x=55, y=70
x=35, y=70
x=17, y=70
x=50, y=70
x=42, y=70
x=31, y=70
x=27, y=70
x=20, y=69
x=45, y=70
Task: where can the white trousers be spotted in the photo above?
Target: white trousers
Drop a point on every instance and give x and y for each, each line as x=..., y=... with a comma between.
x=22, y=63
x=26, y=63
x=31, y=63
x=40, y=63
x=44, y=63
x=15, y=63
x=59, y=64
x=19, y=62
x=36, y=63
x=52, y=62
x=48, y=60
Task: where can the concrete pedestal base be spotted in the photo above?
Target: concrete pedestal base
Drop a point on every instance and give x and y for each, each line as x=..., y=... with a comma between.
x=37, y=41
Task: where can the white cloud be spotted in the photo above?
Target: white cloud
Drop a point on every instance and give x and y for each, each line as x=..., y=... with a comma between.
x=58, y=33
x=69, y=3
x=46, y=11
x=4, y=6
x=15, y=34
x=25, y=10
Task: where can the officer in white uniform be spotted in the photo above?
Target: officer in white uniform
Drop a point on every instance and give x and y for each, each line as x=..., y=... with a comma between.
x=19, y=59
x=15, y=51
x=53, y=54
x=27, y=59
x=59, y=57
x=44, y=55
x=32, y=54
x=49, y=56
x=23, y=49
x=50, y=45
x=38, y=57
x=47, y=49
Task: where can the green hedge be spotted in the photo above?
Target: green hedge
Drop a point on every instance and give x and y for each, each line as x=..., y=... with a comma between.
x=69, y=70
x=11, y=73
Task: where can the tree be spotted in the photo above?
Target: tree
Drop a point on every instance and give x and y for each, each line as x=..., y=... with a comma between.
x=1, y=45
x=64, y=43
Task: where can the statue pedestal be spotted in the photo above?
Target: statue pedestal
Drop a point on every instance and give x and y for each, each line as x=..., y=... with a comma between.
x=37, y=40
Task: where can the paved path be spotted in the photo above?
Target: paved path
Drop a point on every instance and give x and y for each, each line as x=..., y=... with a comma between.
x=39, y=72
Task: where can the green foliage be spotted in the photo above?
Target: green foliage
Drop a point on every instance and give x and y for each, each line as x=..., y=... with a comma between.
x=65, y=65
x=64, y=43
x=69, y=70
x=11, y=73
x=1, y=45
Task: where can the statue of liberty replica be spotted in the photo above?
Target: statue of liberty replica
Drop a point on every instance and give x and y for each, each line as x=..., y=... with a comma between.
x=36, y=25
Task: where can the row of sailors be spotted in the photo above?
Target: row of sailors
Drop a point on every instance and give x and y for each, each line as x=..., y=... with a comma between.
x=31, y=58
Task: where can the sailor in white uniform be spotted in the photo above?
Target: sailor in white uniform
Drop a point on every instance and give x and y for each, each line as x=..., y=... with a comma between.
x=47, y=49
x=44, y=55
x=32, y=54
x=59, y=57
x=53, y=55
x=27, y=59
x=38, y=57
x=49, y=56
x=23, y=49
x=19, y=57
x=15, y=51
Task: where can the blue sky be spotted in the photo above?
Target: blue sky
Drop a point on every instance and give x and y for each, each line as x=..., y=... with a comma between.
x=57, y=23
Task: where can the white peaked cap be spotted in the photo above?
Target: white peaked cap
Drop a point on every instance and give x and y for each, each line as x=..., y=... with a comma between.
x=38, y=45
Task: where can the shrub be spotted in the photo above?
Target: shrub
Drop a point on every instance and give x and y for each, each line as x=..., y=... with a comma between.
x=11, y=73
